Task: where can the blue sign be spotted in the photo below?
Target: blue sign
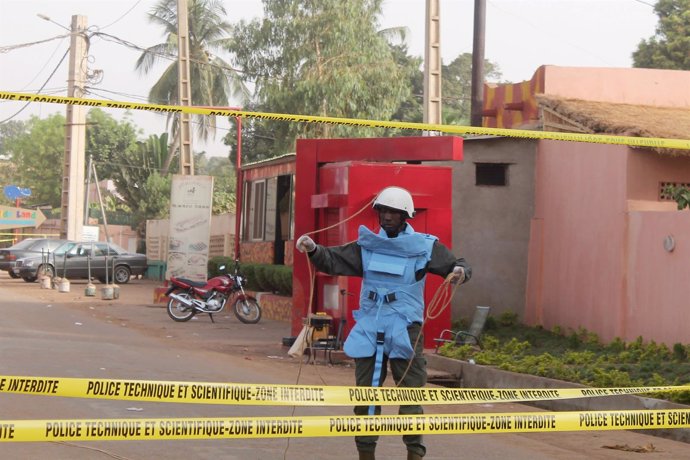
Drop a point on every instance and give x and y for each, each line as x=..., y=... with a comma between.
x=13, y=192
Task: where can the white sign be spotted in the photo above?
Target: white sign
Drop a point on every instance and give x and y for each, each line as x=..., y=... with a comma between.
x=90, y=233
x=190, y=227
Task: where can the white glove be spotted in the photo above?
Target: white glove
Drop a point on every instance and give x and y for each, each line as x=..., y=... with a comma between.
x=305, y=244
x=457, y=276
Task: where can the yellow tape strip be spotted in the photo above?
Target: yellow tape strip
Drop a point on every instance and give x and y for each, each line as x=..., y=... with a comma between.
x=293, y=395
x=651, y=142
x=322, y=426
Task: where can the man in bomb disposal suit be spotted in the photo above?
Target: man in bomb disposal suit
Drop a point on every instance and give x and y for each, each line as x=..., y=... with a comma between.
x=393, y=264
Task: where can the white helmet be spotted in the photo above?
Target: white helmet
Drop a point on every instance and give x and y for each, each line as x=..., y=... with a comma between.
x=395, y=198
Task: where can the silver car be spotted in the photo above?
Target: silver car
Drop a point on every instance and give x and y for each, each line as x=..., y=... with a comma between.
x=30, y=247
x=86, y=260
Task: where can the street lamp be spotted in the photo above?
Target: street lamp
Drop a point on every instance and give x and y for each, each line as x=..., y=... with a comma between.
x=46, y=18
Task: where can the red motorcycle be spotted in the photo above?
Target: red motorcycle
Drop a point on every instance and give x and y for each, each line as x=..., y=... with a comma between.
x=188, y=298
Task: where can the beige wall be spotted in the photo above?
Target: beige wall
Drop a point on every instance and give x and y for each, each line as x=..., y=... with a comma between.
x=491, y=225
x=665, y=88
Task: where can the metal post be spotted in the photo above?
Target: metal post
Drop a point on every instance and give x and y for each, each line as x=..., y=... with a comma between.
x=478, y=63
x=238, y=188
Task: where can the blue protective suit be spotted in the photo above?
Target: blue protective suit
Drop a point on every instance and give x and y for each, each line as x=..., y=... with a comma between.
x=391, y=297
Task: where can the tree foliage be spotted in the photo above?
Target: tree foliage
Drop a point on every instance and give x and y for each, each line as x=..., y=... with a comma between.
x=669, y=48
x=212, y=79
x=457, y=88
x=319, y=58
x=224, y=182
x=36, y=151
x=680, y=194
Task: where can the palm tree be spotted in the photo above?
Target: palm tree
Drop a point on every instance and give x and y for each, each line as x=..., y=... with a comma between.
x=213, y=80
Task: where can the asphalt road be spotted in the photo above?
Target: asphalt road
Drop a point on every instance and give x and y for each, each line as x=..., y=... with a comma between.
x=48, y=333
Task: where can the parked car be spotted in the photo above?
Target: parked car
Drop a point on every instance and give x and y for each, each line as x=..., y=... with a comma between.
x=83, y=260
x=26, y=248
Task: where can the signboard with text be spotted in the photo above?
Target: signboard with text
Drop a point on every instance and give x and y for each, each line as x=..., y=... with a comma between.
x=11, y=217
x=190, y=227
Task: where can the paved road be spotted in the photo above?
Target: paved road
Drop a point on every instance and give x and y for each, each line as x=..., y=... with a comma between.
x=46, y=333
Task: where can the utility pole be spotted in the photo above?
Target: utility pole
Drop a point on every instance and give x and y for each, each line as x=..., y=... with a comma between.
x=72, y=205
x=184, y=89
x=432, y=63
x=478, y=63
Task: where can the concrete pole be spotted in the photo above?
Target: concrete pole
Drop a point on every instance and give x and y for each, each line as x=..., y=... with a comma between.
x=432, y=63
x=72, y=204
x=184, y=89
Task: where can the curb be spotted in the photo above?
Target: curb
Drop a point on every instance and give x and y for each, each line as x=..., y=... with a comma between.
x=476, y=376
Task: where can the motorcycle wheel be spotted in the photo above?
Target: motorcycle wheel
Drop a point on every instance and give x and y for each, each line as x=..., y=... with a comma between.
x=178, y=311
x=247, y=310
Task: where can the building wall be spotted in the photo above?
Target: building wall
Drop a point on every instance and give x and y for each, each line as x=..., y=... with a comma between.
x=491, y=225
x=658, y=286
x=578, y=244
x=646, y=170
x=514, y=105
x=663, y=88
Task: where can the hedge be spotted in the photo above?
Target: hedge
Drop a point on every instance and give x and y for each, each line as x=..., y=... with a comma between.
x=260, y=277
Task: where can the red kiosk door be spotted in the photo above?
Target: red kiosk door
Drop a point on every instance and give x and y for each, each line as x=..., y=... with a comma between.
x=341, y=201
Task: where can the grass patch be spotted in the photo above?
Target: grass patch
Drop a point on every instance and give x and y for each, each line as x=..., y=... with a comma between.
x=577, y=356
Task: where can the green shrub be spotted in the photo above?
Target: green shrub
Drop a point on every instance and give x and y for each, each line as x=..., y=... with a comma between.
x=260, y=277
x=580, y=357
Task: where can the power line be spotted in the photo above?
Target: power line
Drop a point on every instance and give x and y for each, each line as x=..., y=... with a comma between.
x=645, y=3
x=44, y=66
x=123, y=15
x=6, y=49
x=40, y=89
x=168, y=56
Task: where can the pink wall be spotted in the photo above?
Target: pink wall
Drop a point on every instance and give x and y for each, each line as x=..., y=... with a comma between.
x=658, y=290
x=646, y=169
x=576, y=257
x=596, y=257
x=665, y=88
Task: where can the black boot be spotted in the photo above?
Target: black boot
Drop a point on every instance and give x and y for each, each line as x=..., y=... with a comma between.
x=367, y=455
x=413, y=456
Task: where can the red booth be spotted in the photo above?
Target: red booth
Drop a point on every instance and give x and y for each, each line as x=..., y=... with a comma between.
x=335, y=180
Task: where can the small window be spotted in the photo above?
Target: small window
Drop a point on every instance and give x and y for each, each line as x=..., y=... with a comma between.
x=491, y=174
x=257, y=210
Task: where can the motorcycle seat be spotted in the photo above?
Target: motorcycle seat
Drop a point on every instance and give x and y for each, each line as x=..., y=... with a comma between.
x=198, y=284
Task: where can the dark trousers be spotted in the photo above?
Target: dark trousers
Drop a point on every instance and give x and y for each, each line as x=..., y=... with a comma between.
x=413, y=378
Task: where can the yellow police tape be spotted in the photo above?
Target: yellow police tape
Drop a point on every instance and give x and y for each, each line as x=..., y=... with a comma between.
x=651, y=142
x=320, y=426
x=293, y=395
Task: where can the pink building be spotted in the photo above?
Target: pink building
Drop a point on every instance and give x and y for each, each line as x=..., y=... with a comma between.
x=586, y=237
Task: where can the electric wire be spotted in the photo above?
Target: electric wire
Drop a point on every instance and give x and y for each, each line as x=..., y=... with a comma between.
x=40, y=89
x=43, y=67
x=6, y=49
x=123, y=15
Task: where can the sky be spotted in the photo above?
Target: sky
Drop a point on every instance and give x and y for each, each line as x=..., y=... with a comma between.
x=521, y=35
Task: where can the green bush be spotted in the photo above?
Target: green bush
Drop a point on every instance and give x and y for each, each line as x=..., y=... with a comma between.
x=580, y=357
x=260, y=277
